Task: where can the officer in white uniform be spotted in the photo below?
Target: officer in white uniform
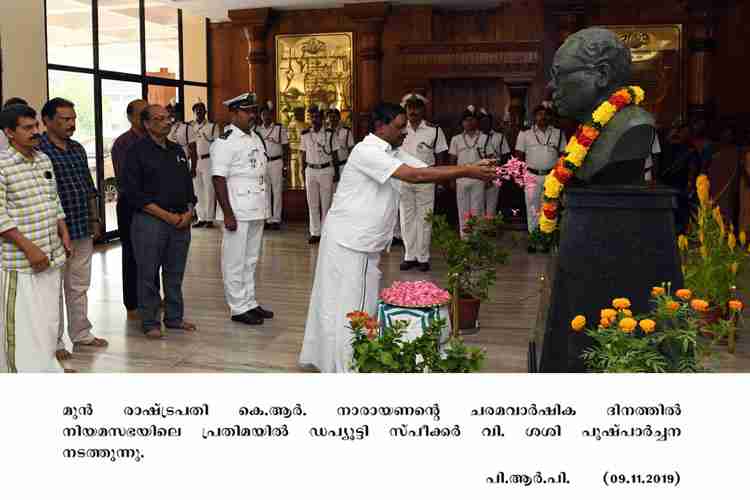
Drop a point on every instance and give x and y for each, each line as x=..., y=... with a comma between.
x=342, y=141
x=465, y=149
x=359, y=227
x=184, y=135
x=206, y=133
x=238, y=167
x=425, y=142
x=540, y=147
x=317, y=167
x=276, y=139
x=496, y=146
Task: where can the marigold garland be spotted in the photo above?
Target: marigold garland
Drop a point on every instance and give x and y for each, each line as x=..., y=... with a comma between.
x=576, y=151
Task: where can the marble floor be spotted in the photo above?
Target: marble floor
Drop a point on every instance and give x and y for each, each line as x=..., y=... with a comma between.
x=284, y=282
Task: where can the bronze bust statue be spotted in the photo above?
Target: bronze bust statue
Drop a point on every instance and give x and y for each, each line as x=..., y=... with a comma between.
x=587, y=69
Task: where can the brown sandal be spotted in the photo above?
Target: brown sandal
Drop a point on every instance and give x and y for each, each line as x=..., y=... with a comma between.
x=97, y=342
x=184, y=325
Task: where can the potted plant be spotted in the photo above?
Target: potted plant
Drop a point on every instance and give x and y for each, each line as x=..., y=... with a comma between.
x=380, y=349
x=711, y=255
x=472, y=260
x=665, y=340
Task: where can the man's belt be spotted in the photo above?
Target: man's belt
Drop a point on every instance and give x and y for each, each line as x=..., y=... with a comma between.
x=318, y=167
x=340, y=163
x=274, y=158
x=205, y=157
x=538, y=172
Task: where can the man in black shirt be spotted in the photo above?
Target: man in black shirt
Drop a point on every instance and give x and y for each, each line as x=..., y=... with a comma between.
x=158, y=185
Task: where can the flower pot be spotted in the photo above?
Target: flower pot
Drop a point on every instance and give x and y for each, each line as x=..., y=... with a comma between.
x=468, y=314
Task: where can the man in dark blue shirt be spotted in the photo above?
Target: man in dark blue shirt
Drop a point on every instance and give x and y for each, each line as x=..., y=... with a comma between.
x=158, y=185
x=78, y=197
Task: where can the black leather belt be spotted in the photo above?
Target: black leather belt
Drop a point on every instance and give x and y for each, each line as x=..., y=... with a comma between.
x=318, y=167
x=537, y=172
x=274, y=158
x=204, y=157
x=340, y=163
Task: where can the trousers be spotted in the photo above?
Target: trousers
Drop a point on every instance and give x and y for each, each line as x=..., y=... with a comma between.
x=275, y=192
x=129, y=266
x=319, y=187
x=491, y=198
x=158, y=244
x=470, y=199
x=240, y=251
x=417, y=200
x=533, y=194
x=204, y=191
x=76, y=282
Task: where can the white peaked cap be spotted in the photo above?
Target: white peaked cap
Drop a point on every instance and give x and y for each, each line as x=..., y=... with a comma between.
x=413, y=97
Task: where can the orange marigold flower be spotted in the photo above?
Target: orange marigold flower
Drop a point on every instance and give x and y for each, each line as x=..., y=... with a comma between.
x=647, y=325
x=578, y=323
x=627, y=325
x=628, y=313
x=584, y=140
x=550, y=210
x=618, y=101
x=610, y=314
x=657, y=291
x=699, y=305
x=589, y=132
x=605, y=322
x=684, y=293
x=735, y=305
x=563, y=174
x=673, y=306
x=621, y=303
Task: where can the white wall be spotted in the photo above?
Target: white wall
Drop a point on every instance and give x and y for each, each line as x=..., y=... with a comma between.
x=24, y=63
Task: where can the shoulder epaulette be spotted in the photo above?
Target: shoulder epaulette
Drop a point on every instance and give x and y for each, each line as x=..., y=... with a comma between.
x=226, y=134
x=430, y=124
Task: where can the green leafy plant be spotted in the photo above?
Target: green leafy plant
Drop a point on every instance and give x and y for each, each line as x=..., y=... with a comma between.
x=384, y=350
x=473, y=259
x=667, y=339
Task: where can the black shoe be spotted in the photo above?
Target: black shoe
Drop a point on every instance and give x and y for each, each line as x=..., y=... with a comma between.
x=275, y=226
x=313, y=240
x=200, y=223
x=263, y=313
x=208, y=224
x=408, y=264
x=531, y=249
x=397, y=242
x=248, y=318
x=424, y=266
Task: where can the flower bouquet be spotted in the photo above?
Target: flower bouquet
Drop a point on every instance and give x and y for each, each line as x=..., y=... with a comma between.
x=514, y=170
x=665, y=340
x=418, y=294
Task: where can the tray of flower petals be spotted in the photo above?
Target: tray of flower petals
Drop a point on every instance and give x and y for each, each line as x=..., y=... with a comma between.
x=416, y=294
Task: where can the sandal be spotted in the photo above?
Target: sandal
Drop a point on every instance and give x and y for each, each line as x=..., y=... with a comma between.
x=96, y=342
x=184, y=325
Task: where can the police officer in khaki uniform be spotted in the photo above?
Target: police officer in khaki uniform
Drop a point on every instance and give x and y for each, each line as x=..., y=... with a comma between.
x=239, y=174
x=317, y=168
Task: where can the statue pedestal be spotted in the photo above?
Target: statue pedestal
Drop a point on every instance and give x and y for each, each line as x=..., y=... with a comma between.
x=616, y=241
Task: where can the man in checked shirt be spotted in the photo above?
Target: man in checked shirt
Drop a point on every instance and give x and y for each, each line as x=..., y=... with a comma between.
x=78, y=196
x=34, y=241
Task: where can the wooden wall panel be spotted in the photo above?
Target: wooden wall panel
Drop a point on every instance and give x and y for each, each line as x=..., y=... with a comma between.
x=230, y=75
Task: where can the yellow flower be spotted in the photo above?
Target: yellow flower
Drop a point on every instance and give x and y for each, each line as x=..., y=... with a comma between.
x=699, y=305
x=731, y=241
x=552, y=187
x=604, y=322
x=700, y=235
x=733, y=267
x=743, y=238
x=682, y=242
x=703, y=187
x=684, y=293
x=576, y=152
x=735, y=305
x=628, y=313
x=647, y=325
x=704, y=252
x=627, y=325
x=604, y=113
x=546, y=225
x=658, y=291
x=621, y=303
x=640, y=95
x=578, y=323
x=610, y=314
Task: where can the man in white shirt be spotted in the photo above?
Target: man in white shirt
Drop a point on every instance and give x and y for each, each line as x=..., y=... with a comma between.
x=206, y=133
x=540, y=147
x=342, y=141
x=276, y=139
x=496, y=146
x=316, y=157
x=427, y=143
x=466, y=149
x=239, y=175
x=358, y=228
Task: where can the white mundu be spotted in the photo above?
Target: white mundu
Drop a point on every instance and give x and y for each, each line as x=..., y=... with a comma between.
x=542, y=149
x=417, y=200
x=497, y=147
x=275, y=136
x=469, y=192
x=205, y=134
x=241, y=159
x=359, y=227
x=318, y=175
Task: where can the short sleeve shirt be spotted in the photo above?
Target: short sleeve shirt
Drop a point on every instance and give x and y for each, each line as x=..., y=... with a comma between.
x=317, y=146
x=468, y=149
x=542, y=148
x=496, y=146
x=275, y=137
x=241, y=159
x=182, y=134
x=363, y=215
x=205, y=134
x=424, y=142
x=343, y=142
